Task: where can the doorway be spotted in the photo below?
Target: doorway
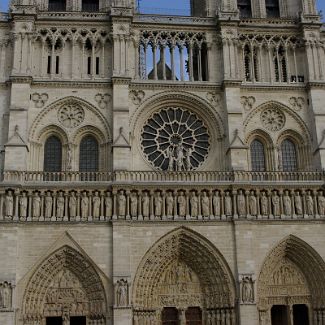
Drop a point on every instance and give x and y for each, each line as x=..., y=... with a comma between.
x=300, y=315
x=279, y=315
x=53, y=320
x=193, y=316
x=170, y=316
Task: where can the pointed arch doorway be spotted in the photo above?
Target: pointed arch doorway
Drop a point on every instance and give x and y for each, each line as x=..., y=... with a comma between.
x=65, y=289
x=183, y=280
x=291, y=285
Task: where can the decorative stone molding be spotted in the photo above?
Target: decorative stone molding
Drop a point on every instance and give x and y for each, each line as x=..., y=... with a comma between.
x=71, y=115
x=247, y=102
x=137, y=96
x=103, y=100
x=273, y=119
x=297, y=103
x=39, y=99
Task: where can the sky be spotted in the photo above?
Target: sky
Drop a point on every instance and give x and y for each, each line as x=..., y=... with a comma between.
x=176, y=4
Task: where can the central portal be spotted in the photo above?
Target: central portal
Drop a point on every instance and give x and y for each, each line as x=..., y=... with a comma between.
x=75, y=320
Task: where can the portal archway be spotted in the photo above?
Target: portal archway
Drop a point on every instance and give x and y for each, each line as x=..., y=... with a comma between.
x=291, y=282
x=184, y=271
x=65, y=289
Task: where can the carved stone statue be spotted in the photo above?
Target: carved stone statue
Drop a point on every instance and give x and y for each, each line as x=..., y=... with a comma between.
x=122, y=293
x=241, y=203
x=6, y=295
x=9, y=202
x=96, y=205
x=170, y=156
x=179, y=158
x=73, y=205
x=60, y=206
x=298, y=204
x=36, y=206
x=194, y=201
x=309, y=204
x=252, y=204
x=109, y=205
x=145, y=205
x=23, y=201
x=247, y=290
x=205, y=204
x=287, y=204
x=216, y=204
x=170, y=204
x=158, y=204
x=321, y=204
x=188, y=153
x=228, y=204
x=48, y=205
x=181, y=205
x=121, y=204
x=276, y=205
x=133, y=205
x=84, y=206
x=264, y=205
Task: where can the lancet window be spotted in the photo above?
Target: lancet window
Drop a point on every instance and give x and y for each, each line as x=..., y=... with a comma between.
x=245, y=8
x=272, y=8
x=53, y=154
x=280, y=64
x=257, y=156
x=89, y=154
x=175, y=56
x=289, y=156
x=251, y=63
x=57, y=5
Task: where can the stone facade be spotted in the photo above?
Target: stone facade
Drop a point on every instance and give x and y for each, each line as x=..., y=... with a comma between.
x=186, y=174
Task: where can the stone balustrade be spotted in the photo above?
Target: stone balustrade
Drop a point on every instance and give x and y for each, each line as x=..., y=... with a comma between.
x=160, y=202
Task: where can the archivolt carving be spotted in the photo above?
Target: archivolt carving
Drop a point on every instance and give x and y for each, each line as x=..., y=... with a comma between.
x=183, y=269
x=292, y=273
x=49, y=116
x=65, y=281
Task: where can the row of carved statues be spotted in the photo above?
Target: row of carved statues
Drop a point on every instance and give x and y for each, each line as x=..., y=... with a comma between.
x=150, y=205
x=5, y=295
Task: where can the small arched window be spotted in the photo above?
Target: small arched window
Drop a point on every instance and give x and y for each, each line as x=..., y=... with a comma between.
x=272, y=8
x=289, y=156
x=53, y=154
x=257, y=156
x=57, y=5
x=89, y=154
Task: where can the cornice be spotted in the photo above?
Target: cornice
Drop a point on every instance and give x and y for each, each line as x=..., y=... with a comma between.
x=72, y=84
x=316, y=84
x=121, y=80
x=273, y=87
x=21, y=79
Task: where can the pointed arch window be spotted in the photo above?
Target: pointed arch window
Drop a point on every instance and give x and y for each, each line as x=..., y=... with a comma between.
x=289, y=156
x=280, y=64
x=53, y=154
x=89, y=154
x=272, y=8
x=57, y=5
x=245, y=8
x=258, y=156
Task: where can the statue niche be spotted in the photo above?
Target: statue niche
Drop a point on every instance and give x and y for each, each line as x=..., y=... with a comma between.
x=179, y=286
x=66, y=293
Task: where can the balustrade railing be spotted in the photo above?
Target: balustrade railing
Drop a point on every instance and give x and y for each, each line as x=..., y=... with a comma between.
x=152, y=176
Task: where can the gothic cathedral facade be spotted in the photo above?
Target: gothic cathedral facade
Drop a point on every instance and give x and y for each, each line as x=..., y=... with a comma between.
x=162, y=168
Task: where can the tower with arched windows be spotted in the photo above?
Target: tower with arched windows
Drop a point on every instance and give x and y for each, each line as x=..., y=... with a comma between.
x=162, y=166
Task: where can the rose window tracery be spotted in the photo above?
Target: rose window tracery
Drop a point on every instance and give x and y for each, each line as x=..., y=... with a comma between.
x=71, y=115
x=175, y=139
x=272, y=119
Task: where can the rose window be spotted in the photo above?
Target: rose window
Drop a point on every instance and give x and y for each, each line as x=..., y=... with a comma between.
x=272, y=119
x=175, y=139
x=71, y=115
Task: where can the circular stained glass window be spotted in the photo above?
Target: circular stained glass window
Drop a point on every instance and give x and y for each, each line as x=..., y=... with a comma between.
x=175, y=139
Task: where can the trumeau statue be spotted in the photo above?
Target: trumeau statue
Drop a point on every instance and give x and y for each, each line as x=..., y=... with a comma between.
x=145, y=205
x=205, y=204
x=73, y=205
x=158, y=204
x=9, y=202
x=121, y=204
x=216, y=204
x=60, y=206
x=134, y=204
x=96, y=205
x=48, y=205
x=23, y=201
x=194, y=201
x=84, y=206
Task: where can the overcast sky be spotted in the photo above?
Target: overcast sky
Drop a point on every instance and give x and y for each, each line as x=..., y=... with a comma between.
x=176, y=4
